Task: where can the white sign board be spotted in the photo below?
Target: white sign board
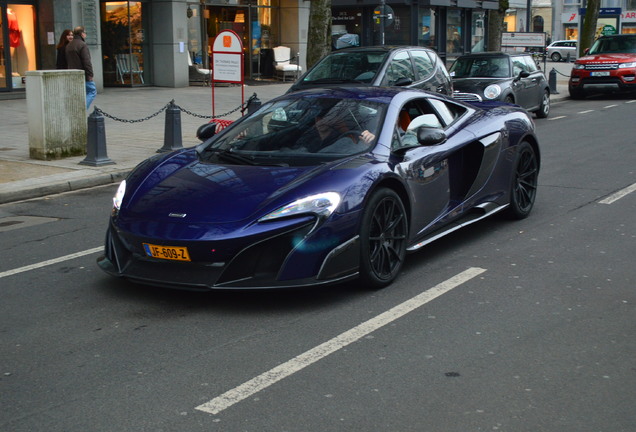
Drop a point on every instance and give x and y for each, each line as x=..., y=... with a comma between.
x=227, y=67
x=227, y=57
x=521, y=39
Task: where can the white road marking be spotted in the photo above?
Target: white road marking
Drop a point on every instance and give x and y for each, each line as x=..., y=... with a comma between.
x=556, y=118
x=618, y=195
x=610, y=106
x=631, y=101
x=50, y=262
x=586, y=111
x=307, y=358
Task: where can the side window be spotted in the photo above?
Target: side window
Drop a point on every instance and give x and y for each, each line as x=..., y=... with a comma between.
x=423, y=63
x=400, y=67
x=531, y=64
x=448, y=111
x=518, y=65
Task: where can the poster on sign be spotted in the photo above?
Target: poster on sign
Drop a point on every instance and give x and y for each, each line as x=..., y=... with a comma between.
x=227, y=61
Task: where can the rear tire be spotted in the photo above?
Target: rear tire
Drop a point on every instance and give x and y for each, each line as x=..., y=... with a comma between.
x=383, y=236
x=556, y=57
x=523, y=189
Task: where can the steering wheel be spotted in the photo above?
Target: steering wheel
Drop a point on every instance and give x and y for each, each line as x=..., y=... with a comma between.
x=354, y=134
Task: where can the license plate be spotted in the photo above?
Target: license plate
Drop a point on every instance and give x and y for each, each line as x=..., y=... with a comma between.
x=604, y=73
x=175, y=253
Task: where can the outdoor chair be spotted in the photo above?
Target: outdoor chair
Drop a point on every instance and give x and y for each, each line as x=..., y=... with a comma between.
x=206, y=73
x=128, y=64
x=283, y=65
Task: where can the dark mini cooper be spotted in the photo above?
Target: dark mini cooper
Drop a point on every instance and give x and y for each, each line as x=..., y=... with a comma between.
x=387, y=66
x=499, y=76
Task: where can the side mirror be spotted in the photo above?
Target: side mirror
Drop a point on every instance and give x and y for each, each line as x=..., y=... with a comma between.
x=522, y=74
x=428, y=136
x=206, y=131
x=403, y=81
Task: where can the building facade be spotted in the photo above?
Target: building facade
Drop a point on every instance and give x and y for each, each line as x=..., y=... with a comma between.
x=147, y=42
x=451, y=27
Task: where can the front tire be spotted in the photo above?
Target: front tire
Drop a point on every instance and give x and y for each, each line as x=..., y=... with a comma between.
x=523, y=190
x=383, y=236
x=544, y=108
x=576, y=93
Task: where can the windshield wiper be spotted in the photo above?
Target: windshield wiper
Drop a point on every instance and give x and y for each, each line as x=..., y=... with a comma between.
x=229, y=156
x=334, y=80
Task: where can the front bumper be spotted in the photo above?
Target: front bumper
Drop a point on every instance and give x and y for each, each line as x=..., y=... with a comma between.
x=280, y=259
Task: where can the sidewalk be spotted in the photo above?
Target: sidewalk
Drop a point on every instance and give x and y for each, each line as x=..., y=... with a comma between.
x=128, y=143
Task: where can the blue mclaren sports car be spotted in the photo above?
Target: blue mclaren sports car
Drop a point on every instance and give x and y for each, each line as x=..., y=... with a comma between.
x=319, y=187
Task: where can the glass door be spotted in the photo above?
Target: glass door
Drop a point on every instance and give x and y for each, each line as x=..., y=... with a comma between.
x=17, y=45
x=125, y=43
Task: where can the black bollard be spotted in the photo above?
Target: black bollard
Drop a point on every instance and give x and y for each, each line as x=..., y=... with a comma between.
x=172, y=131
x=96, y=142
x=253, y=104
x=552, y=81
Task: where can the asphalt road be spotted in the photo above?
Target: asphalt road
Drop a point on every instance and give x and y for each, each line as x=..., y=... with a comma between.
x=502, y=326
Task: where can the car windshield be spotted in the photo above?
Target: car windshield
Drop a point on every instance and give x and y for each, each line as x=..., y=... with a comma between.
x=347, y=67
x=480, y=67
x=299, y=131
x=608, y=45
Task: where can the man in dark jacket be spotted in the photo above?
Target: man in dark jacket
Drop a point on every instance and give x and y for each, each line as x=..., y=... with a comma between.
x=78, y=57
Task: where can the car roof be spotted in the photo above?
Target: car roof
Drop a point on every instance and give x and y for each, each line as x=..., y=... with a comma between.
x=622, y=35
x=494, y=54
x=381, y=48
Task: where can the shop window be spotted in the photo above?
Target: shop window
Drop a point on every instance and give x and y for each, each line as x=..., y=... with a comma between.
x=20, y=56
x=124, y=43
x=426, y=19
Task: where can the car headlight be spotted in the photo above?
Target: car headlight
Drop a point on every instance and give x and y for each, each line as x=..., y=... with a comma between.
x=321, y=204
x=492, y=91
x=119, y=196
x=627, y=65
x=578, y=66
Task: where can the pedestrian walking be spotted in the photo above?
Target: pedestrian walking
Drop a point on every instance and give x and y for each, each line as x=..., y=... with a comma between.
x=65, y=39
x=79, y=57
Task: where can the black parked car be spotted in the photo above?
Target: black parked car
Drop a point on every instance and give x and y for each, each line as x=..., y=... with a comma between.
x=507, y=77
x=387, y=66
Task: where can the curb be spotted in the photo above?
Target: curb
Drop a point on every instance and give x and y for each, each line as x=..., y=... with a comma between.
x=25, y=193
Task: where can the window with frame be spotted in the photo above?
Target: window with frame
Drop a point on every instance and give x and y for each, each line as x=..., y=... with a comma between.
x=400, y=67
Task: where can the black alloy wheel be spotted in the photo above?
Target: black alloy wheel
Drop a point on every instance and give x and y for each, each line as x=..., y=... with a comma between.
x=524, y=182
x=383, y=236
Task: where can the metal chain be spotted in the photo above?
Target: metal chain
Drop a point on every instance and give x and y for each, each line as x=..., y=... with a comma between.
x=554, y=69
x=241, y=107
x=131, y=121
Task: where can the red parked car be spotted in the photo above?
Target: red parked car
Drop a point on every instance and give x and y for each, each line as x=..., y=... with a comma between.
x=609, y=65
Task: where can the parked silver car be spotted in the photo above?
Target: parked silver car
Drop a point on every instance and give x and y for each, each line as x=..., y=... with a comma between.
x=562, y=50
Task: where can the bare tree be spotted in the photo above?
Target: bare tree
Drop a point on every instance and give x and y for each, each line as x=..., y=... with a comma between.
x=496, y=25
x=319, y=34
x=588, y=29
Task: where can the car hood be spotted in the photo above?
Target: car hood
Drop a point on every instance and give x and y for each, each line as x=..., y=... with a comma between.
x=608, y=58
x=183, y=187
x=477, y=85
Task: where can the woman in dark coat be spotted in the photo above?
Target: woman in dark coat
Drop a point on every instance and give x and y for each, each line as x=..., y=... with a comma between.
x=67, y=36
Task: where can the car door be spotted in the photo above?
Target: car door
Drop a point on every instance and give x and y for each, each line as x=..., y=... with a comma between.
x=438, y=176
x=525, y=88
